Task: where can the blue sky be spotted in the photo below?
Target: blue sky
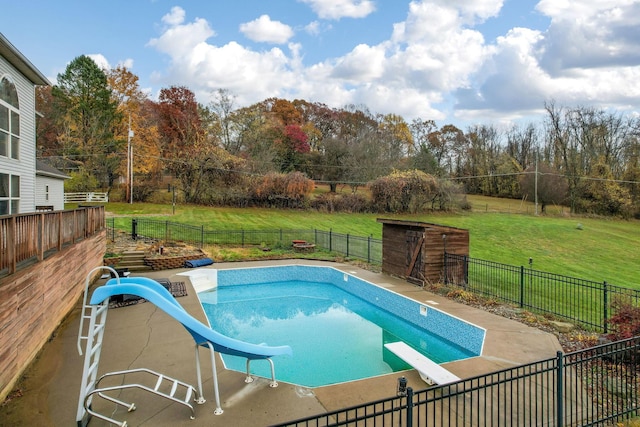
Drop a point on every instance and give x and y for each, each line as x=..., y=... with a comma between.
x=453, y=61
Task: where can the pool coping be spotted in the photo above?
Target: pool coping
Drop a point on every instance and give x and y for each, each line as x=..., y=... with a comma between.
x=143, y=336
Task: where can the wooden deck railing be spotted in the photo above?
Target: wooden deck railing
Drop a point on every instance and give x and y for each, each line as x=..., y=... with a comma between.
x=26, y=238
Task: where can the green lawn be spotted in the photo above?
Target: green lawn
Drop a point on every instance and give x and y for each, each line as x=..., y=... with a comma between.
x=504, y=231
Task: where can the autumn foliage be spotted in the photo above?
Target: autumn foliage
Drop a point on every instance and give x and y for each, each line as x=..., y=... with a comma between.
x=625, y=323
x=283, y=190
x=404, y=191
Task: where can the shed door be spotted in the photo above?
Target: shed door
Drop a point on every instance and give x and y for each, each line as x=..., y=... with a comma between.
x=415, y=264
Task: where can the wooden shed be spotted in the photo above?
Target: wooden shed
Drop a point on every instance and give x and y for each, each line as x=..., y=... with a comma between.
x=415, y=250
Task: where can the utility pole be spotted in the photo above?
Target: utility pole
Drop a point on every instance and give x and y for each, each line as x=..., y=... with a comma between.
x=130, y=161
x=536, y=183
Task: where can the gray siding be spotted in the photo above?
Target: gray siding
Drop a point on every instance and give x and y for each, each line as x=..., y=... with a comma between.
x=56, y=192
x=25, y=166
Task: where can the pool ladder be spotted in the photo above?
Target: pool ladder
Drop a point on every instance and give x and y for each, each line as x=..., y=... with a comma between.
x=95, y=319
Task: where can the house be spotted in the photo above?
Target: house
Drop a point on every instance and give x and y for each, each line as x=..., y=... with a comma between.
x=49, y=187
x=18, y=80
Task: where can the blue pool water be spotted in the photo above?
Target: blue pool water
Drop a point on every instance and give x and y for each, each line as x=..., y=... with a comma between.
x=335, y=335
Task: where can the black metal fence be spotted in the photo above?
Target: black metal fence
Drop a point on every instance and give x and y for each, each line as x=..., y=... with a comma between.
x=576, y=300
x=596, y=386
x=365, y=248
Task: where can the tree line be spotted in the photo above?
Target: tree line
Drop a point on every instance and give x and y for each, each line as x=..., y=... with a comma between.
x=220, y=153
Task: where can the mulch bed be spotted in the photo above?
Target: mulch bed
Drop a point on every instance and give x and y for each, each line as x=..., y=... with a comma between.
x=177, y=289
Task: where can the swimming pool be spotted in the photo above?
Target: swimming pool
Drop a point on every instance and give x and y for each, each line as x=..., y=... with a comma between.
x=336, y=323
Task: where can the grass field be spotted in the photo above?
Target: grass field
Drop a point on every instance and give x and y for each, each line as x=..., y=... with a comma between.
x=505, y=231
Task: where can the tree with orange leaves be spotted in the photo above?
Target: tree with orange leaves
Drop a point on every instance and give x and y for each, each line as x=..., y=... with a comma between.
x=137, y=117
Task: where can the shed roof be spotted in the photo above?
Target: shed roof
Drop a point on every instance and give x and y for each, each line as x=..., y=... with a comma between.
x=45, y=169
x=18, y=60
x=417, y=224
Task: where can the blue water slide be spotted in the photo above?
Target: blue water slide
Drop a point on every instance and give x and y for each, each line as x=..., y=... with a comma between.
x=155, y=293
x=203, y=335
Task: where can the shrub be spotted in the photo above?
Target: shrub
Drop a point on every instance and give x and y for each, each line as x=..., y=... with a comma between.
x=625, y=323
x=352, y=203
x=283, y=190
x=404, y=191
x=81, y=181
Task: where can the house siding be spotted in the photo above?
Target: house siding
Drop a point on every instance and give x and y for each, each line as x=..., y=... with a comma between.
x=25, y=166
x=56, y=192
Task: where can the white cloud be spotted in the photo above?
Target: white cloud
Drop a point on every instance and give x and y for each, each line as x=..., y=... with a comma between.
x=433, y=62
x=363, y=64
x=265, y=30
x=590, y=34
x=588, y=56
x=471, y=12
x=336, y=9
x=175, y=17
x=127, y=63
x=181, y=39
x=438, y=52
x=312, y=28
x=100, y=61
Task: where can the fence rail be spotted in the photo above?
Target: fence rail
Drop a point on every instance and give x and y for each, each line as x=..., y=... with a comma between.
x=91, y=197
x=596, y=386
x=31, y=237
x=577, y=300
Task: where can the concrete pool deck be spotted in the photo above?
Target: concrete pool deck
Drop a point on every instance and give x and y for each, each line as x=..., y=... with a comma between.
x=143, y=336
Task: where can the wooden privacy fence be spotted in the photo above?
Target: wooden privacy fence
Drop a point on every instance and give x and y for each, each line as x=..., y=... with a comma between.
x=31, y=237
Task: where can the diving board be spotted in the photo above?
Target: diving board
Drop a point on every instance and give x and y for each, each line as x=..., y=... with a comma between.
x=429, y=371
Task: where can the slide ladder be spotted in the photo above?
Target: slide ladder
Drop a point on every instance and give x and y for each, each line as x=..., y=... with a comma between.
x=165, y=387
x=93, y=320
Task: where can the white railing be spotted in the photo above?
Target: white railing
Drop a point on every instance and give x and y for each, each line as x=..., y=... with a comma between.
x=86, y=197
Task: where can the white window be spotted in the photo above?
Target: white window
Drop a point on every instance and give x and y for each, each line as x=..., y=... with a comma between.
x=9, y=119
x=9, y=194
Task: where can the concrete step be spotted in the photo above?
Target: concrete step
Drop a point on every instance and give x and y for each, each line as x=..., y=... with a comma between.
x=134, y=261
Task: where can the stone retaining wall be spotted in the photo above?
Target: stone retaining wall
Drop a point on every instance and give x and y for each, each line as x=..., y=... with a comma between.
x=167, y=263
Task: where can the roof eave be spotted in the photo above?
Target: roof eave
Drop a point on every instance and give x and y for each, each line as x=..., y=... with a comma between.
x=19, y=61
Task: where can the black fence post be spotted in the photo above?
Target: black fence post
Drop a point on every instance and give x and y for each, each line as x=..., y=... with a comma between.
x=166, y=231
x=559, y=389
x=330, y=240
x=347, y=245
x=134, y=229
x=369, y=249
x=409, y=420
x=465, y=271
x=444, y=268
x=605, y=304
x=521, y=286
x=202, y=237
x=242, y=238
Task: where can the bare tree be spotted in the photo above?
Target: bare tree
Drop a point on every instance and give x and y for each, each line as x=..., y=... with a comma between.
x=550, y=185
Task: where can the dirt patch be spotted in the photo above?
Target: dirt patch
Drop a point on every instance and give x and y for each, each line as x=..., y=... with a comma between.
x=122, y=242
x=571, y=337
